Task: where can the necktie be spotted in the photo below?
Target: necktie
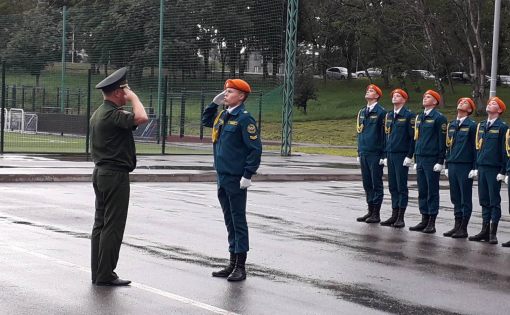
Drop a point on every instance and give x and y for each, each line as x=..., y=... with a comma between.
x=488, y=125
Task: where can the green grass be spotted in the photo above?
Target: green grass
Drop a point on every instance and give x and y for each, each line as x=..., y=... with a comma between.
x=40, y=143
x=329, y=121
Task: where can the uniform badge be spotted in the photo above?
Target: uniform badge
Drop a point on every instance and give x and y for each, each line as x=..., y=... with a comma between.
x=253, y=137
x=251, y=128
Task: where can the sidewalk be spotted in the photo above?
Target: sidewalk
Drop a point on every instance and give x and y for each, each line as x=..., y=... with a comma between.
x=177, y=168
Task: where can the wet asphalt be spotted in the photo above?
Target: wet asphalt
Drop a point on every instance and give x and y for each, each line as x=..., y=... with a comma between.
x=308, y=254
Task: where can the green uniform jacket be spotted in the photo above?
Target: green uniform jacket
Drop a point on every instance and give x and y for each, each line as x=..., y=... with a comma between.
x=111, y=135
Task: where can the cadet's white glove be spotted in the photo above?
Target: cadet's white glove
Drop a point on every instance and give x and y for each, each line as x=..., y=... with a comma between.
x=438, y=168
x=381, y=162
x=245, y=183
x=506, y=180
x=357, y=160
x=407, y=162
x=219, y=99
x=415, y=166
x=473, y=173
x=500, y=177
x=446, y=172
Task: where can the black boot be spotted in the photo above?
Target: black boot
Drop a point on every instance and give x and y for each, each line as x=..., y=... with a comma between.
x=506, y=244
x=492, y=236
x=431, y=225
x=423, y=224
x=392, y=219
x=239, y=272
x=375, y=217
x=462, y=231
x=458, y=221
x=400, y=219
x=225, y=272
x=366, y=216
x=483, y=235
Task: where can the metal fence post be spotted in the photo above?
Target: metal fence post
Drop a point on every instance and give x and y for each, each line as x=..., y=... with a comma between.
x=260, y=112
x=163, y=118
x=87, y=139
x=183, y=113
x=2, y=115
x=202, y=104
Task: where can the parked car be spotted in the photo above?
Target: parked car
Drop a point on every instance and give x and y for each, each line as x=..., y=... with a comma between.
x=460, y=76
x=372, y=72
x=339, y=73
x=504, y=79
x=419, y=74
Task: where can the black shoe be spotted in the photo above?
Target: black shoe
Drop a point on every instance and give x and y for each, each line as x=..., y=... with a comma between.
x=492, y=236
x=400, y=219
x=462, y=231
x=366, y=216
x=392, y=219
x=225, y=272
x=423, y=224
x=483, y=235
x=117, y=282
x=375, y=217
x=431, y=225
x=458, y=221
x=239, y=272
x=506, y=244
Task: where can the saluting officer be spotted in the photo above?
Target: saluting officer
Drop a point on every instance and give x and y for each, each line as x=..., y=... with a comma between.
x=113, y=152
x=491, y=163
x=370, y=129
x=237, y=152
x=430, y=137
x=399, y=129
x=460, y=165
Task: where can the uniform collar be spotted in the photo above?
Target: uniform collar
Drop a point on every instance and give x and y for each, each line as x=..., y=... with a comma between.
x=236, y=110
x=429, y=112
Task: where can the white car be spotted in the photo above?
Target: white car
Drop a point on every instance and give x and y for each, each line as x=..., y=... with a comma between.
x=339, y=73
x=372, y=72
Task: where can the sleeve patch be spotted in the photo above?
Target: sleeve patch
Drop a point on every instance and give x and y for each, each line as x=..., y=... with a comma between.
x=251, y=128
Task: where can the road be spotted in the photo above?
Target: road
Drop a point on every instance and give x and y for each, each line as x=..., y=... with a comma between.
x=308, y=254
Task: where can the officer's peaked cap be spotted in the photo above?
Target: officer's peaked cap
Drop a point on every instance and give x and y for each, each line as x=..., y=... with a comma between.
x=114, y=81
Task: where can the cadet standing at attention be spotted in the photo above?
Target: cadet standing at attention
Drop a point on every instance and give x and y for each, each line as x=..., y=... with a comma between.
x=460, y=165
x=370, y=129
x=491, y=163
x=237, y=151
x=430, y=137
x=114, y=155
x=399, y=129
x=507, y=149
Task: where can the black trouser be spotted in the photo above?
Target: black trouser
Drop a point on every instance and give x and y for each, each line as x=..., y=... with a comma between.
x=112, y=200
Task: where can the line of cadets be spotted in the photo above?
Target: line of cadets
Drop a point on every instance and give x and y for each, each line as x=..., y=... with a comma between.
x=464, y=149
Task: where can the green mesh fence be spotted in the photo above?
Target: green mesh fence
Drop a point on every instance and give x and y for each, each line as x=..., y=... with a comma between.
x=47, y=54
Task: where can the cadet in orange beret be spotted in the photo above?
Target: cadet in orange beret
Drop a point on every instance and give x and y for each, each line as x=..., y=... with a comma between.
x=491, y=164
x=460, y=164
x=430, y=137
x=370, y=129
x=237, y=151
x=399, y=129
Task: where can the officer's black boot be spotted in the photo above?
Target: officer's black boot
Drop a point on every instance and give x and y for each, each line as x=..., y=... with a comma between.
x=431, y=225
x=492, y=236
x=458, y=221
x=239, y=272
x=366, y=216
x=392, y=219
x=506, y=244
x=462, y=231
x=375, y=217
x=483, y=235
x=423, y=224
x=225, y=272
x=400, y=219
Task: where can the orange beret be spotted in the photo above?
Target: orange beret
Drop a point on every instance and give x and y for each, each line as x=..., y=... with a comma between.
x=469, y=100
x=434, y=94
x=401, y=92
x=376, y=89
x=238, y=84
x=499, y=101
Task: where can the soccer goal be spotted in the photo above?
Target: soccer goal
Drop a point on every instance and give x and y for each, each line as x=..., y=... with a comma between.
x=20, y=121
